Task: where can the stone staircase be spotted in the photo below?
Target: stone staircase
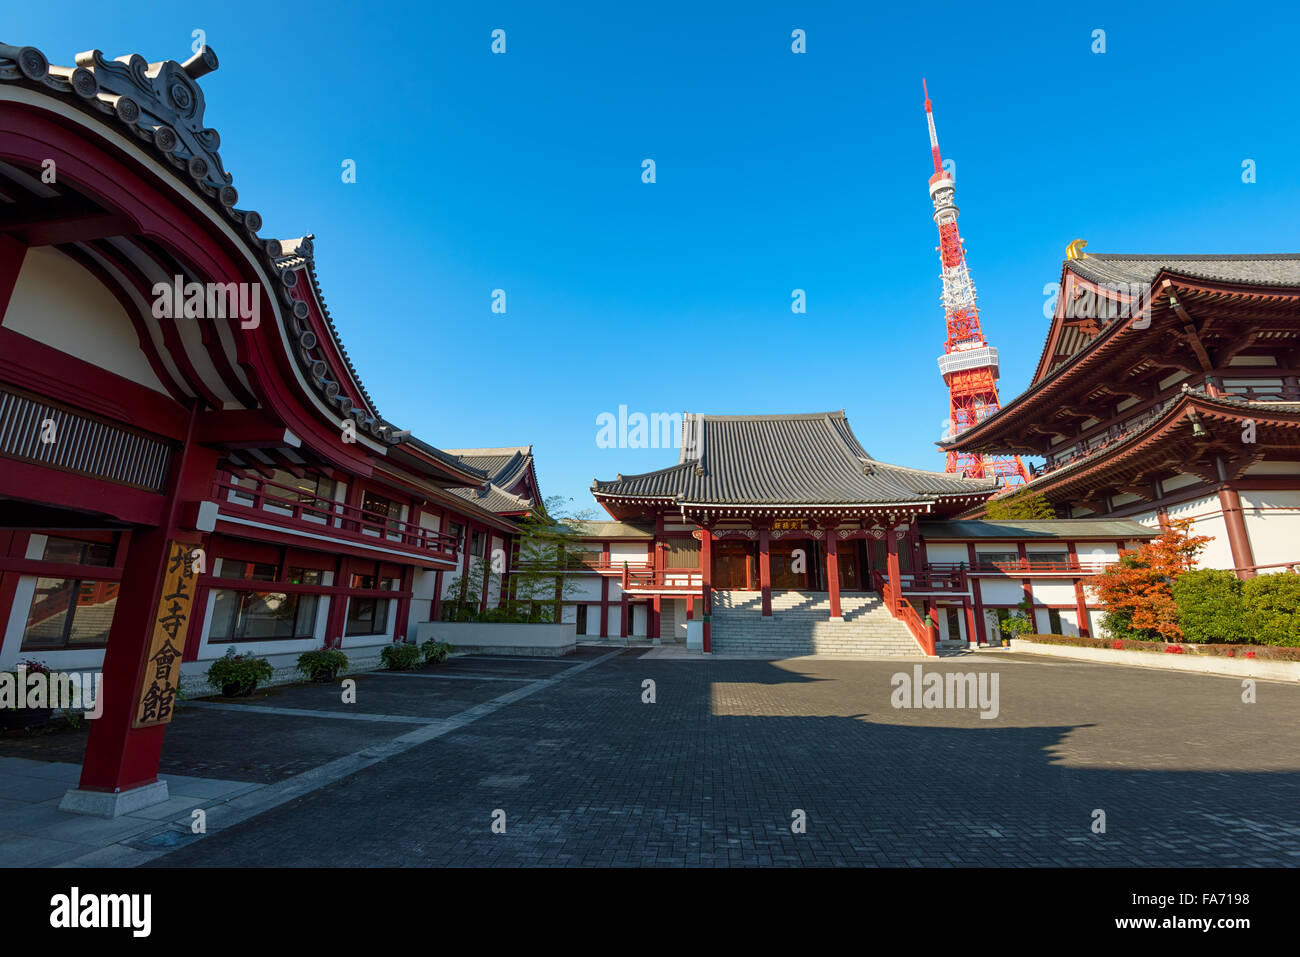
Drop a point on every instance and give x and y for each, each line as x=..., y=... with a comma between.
x=800, y=625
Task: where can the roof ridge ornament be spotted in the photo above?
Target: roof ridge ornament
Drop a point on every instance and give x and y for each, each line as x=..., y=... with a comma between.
x=1075, y=249
x=164, y=102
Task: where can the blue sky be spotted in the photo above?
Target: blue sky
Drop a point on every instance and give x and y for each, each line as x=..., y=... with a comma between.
x=775, y=171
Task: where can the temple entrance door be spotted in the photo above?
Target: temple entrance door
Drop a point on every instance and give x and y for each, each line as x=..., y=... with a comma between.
x=731, y=564
x=783, y=564
x=851, y=572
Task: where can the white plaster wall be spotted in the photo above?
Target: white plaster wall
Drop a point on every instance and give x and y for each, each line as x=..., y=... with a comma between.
x=1273, y=525
x=58, y=303
x=999, y=591
x=1209, y=521
x=634, y=553
x=495, y=543
x=1178, y=481
x=583, y=588
x=943, y=552
x=1097, y=552
x=1048, y=591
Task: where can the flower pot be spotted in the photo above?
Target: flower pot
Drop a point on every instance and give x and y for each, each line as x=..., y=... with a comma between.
x=233, y=690
x=12, y=719
x=1006, y=642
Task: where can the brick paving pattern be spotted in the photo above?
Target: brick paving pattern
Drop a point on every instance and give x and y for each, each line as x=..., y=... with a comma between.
x=588, y=775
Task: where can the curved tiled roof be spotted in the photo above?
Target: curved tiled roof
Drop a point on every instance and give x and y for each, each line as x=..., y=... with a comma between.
x=812, y=459
x=503, y=468
x=161, y=107
x=1265, y=269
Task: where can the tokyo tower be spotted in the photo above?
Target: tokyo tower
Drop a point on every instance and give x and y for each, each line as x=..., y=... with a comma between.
x=969, y=365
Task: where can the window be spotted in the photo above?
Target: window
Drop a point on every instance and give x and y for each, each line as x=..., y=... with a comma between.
x=71, y=551
x=476, y=544
x=367, y=616
x=994, y=559
x=1053, y=558
x=379, y=508
x=582, y=620
x=249, y=571
x=70, y=613
x=262, y=616
x=305, y=576
x=1054, y=621
x=311, y=488
x=457, y=531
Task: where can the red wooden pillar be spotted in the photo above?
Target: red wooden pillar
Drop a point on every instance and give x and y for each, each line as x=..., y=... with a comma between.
x=404, y=604
x=1080, y=600
x=119, y=757
x=706, y=579
x=980, y=633
x=652, y=619
x=967, y=606
x=435, y=607
x=690, y=607
x=891, y=564
x=336, y=616
x=765, y=570
x=1238, y=539
x=833, y=573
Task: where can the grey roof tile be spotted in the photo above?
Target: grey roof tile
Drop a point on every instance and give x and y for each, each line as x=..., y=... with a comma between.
x=812, y=459
x=1265, y=269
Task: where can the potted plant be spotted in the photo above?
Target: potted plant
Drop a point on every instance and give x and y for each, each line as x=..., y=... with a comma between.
x=435, y=652
x=400, y=656
x=1013, y=626
x=17, y=715
x=324, y=664
x=237, y=675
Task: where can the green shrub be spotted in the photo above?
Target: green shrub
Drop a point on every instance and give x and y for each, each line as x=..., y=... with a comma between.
x=324, y=664
x=435, y=652
x=238, y=674
x=1272, y=604
x=1210, y=607
x=400, y=656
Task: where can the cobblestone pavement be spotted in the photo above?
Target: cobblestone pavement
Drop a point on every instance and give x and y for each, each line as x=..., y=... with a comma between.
x=710, y=774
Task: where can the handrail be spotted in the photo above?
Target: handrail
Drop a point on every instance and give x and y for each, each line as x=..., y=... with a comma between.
x=905, y=613
x=340, y=517
x=1289, y=566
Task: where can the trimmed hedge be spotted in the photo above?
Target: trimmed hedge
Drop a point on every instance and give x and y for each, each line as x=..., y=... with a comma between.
x=1216, y=606
x=1261, y=652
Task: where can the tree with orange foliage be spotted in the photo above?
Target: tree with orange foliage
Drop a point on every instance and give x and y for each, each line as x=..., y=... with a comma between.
x=1137, y=590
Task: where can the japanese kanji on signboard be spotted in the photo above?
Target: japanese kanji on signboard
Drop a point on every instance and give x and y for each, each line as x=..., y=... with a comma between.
x=162, y=667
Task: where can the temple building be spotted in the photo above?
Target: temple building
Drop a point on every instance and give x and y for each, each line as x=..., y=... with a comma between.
x=1167, y=389
x=189, y=461
x=781, y=534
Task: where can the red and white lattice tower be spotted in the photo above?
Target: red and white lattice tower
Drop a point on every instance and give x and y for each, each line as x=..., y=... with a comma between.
x=969, y=365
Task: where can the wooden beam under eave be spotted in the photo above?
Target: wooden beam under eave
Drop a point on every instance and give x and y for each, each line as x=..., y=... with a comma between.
x=242, y=429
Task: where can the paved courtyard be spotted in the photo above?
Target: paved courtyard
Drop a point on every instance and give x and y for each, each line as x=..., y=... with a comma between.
x=583, y=772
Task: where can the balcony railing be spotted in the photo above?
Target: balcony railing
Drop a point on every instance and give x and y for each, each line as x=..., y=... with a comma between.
x=1012, y=569
x=295, y=507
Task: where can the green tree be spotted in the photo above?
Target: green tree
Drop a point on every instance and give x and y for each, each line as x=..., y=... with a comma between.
x=1018, y=505
x=549, y=546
